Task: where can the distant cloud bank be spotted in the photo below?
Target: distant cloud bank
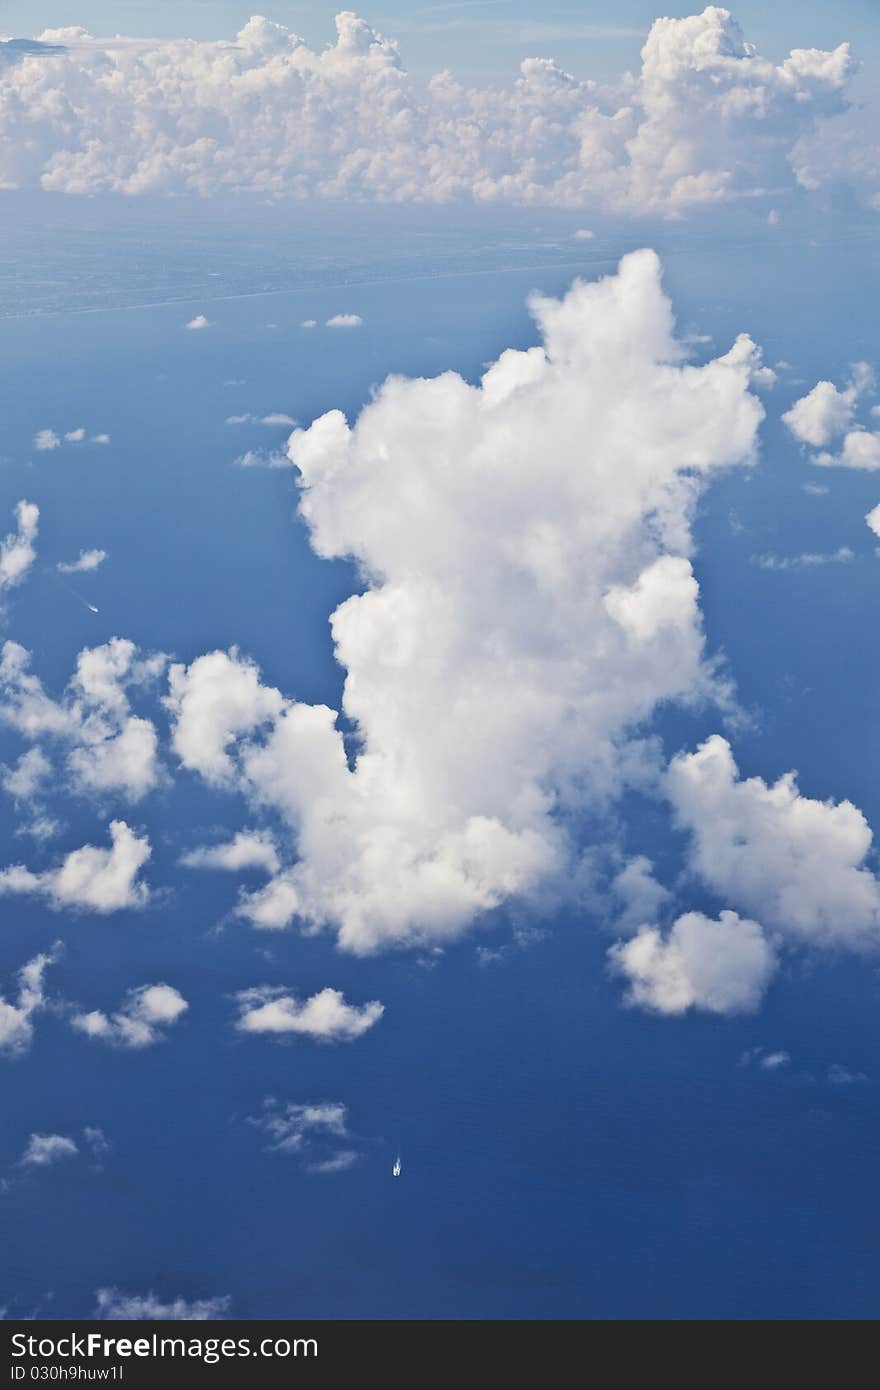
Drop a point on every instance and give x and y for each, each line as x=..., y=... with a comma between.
x=706, y=119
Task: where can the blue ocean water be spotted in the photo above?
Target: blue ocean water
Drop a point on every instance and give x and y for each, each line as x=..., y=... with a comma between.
x=564, y=1157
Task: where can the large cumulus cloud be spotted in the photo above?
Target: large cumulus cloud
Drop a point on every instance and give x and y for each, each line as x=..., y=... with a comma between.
x=706, y=119
x=529, y=602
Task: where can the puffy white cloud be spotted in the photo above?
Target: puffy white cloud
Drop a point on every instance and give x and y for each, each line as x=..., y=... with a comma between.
x=75, y=436
x=873, y=519
x=529, y=602
x=110, y=748
x=796, y=863
x=46, y=440
x=113, y=1304
x=344, y=321
x=826, y=413
x=213, y=702
x=705, y=120
x=198, y=322
x=721, y=966
x=45, y=1149
x=89, y=878
x=86, y=561
x=17, y=549
x=639, y=894
x=860, y=449
x=16, y=1027
x=248, y=849
x=27, y=778
x=325, y=1016
x=141, y=1021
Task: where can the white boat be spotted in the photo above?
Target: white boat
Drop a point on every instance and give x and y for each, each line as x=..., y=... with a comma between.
x=396, y=1170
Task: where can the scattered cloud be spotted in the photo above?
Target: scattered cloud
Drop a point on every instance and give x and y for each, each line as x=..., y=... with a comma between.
x=47, y=440
x=309, y=323
x=89, y=878
x=113, y=1304
x=312, y=1133
x=18, y=549
x=842, y=1076
x=45, y=1149
x=325, y=1016
x=721, y=966
x=16, y=1026
x=86, y=561
x=705, y=120
x=275, y=418
x=774, y=1061
x=142, y=1020
x=110, y=749
x=198, y=322
x=344, y=321
x=809, y=560
x=826, y=414
x=584, y=234
x=248, y=849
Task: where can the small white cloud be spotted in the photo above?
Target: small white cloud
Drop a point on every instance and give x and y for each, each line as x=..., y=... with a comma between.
x=274, y=418
x=262, y=458
x=842, y=1076
x=774, y=1061
x=248, y=849
x=198, y=322
x=18, y=548
x=873, y=519
x=860, y=450
x=86, y=561
x=76, y=436
x=826, y=412
x=45, y=1149
x=315, y=1134
x=141, y=1021
x=325, y=1016
x=26, y=779
x=815, y=489
x=344, y=321
x=584, y=234
x=309, y=323
x=100, y=439
x=111, y=749
x=771, y=850
x=16, y=1026
x=92, y=879
x=721, y=966
x=339, y=1162
x=113, y=1304
x=773, y=218
x=809, y=560
x=45, y=440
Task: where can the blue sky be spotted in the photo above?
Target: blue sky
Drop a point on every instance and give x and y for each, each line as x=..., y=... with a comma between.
x=436, y=711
